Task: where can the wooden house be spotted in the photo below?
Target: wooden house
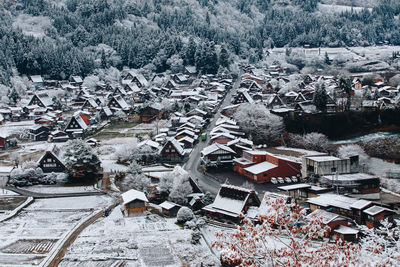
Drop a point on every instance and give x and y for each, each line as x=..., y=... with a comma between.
x=273, y=101
x=338, y=225
x=242, y=97
x=133, y=201
x=169, y=208
x=217, y=154
x=41, y=100
x=76, y=80
x=172, y=151
x=232, y=203
x=58, y=136
x=191, y=71
x=36, y=80
x=50, y=162
x=150, y=113
x=90, y=104
x=76, y=127
x=376, y=214
x=180, y=79
x=239, y=145
x=39, y=133
x=4, y=141
x=117, y=102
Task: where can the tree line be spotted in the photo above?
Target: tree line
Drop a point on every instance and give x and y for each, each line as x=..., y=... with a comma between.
x=162, y=35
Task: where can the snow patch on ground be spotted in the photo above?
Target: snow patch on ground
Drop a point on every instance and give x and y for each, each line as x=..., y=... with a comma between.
x=10, y=128
x=380, y=167
x=50, y=189
x=339, y=8
x=137, y=241
x=68, y=203
x=35, y=26
x=5, y=192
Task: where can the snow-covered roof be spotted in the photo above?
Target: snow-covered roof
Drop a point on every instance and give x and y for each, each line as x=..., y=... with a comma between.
x=159, y=168
x=323, y=158
x=240, y=141
x=229, y=203
x=224, y=119
x=150, y=143
x=191, y=69
x=168, y=205
x=294, y=187
x=260, y=167
x=350, y=177
x=374, y=210
x=257, y=152
x=121, y=101
x=77, y=79
x=345, y=230
x=132, y=195
x=177, y=146
x=6, y=169
x=325, y=216
x=326, y=200
x=223, y=135
x=187, y=138
x=36, y=79
x=215, y=147
x=360, y=204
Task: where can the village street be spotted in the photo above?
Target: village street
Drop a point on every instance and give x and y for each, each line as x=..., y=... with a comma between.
x=211, y=183
x=207, y=183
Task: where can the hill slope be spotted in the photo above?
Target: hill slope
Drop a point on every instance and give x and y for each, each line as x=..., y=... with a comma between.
x=73, y=37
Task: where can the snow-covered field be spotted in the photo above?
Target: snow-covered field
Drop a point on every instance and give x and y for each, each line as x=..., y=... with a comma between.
x=358, y=55
x=330, y=9
x=50, y=189
x=137, y=241
x=36, y=232
x=35, y=26
x=366, y=138
x=380, y=167
x=10, y=128
x=5, y=192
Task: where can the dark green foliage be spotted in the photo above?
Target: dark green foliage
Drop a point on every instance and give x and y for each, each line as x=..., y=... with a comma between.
x=320, y=98
x=159, y=29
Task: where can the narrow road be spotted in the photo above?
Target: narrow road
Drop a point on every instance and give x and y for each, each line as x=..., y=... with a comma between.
x=207, y=183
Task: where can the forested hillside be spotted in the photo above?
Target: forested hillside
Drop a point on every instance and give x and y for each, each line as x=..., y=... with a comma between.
x=73, y=37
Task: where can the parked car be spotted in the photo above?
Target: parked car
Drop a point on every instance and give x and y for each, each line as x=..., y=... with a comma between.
x=280, y=180
x=273, y=180
x=288, y=180
x=294, y=179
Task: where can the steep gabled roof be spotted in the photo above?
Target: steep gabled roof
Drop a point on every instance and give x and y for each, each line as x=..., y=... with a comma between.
x=176, y=145
x=132, y=195
x=215, y=147
x=230, y=200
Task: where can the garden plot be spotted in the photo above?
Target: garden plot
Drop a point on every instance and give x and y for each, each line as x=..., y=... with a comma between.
x=38, y=230
x=72, y=203
x=55, y=189
x=30, y=246
x=137, y=241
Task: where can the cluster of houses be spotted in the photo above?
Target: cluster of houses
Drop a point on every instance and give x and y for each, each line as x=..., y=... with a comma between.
x=62, y=110
x=264, y=86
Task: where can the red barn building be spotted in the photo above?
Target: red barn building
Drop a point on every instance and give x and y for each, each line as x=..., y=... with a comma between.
x=261, y=166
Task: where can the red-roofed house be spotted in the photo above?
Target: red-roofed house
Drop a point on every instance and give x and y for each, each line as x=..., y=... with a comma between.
x=261, y=166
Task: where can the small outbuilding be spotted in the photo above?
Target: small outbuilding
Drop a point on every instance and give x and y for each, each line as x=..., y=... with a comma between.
x=170, y=208
x=133, y=201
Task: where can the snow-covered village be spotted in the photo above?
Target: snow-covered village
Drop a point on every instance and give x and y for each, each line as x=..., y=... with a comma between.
x=199, y=133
